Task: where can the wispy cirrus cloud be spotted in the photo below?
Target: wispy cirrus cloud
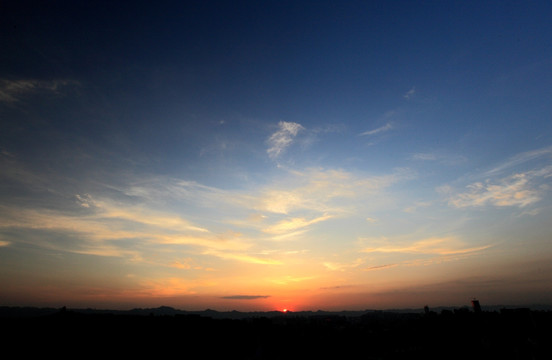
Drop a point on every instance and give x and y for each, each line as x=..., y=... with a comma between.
x=434, y=245
x=417, y=205
x=440, y=157
x=521, y=190
x=423, y=253
x=305, y=198
x=342, y=266
x=137, y=213
x=294, y=224
x=105, y=233
x=105, y=226
x=410, y=93
x=321, y=190
x=519, y=159
x=403, y=251
x=137, y=216
x=424, y=156
x=168, y=287
x=279, y=141
x=12, y=91
x=245, y=297
x=289, y=279
x=310, y=197
x=338, y=287
x=184, y=264
x=380, y=267
x=243, y=257
x=378, y=130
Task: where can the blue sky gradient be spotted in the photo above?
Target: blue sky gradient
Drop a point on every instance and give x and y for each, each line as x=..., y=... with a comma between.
x=261, y=155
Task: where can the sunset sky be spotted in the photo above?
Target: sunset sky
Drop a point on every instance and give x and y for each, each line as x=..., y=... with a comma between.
x=261, y=155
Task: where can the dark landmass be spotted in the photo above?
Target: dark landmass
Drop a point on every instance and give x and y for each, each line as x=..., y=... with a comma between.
x=441, y=333
x=15, y=311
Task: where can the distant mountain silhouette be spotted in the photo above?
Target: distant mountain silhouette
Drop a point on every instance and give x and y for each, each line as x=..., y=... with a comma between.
x=14, y=311
x=161, y=332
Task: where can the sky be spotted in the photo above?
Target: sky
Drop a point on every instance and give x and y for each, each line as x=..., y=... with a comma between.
x=262, y=155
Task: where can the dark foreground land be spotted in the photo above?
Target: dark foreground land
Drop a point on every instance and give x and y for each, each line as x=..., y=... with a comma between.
x=459, y=334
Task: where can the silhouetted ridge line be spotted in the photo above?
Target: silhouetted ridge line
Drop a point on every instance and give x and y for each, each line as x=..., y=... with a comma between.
x=453, y=334
x=14, y=311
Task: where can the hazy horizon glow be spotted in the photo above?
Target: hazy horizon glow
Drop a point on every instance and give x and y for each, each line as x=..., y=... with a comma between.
x=276, y=155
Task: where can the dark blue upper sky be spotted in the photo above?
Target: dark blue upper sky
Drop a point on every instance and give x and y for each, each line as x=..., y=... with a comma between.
x=145, y=70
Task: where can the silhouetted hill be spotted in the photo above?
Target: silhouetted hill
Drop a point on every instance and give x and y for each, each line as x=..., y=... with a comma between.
x=159, y=332
x=12, y=311
x=22, y=312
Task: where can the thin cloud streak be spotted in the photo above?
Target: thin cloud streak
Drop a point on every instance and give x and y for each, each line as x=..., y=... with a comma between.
x=438, y=246
x=380, y=267
x=95, y=233
x=519, y=190
x=243, y=257
x=439, y=157
x=294, y=224
x=334, y=266
x=424, y=157
x=410, y=93
x=520, y=159
x=12, y=91
x=320, y=190
x=102, y=223
x=282, y=139
x=381, y=129
x=287, y=280
x=245, y=297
